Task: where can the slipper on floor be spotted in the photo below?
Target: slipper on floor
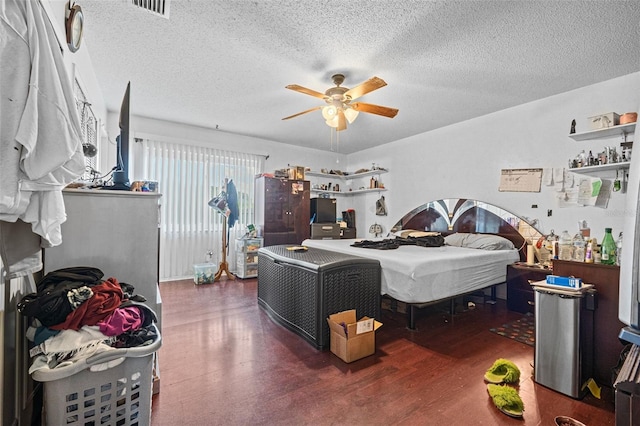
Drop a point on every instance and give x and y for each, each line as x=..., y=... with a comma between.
x=506, y=399
x=502, y=371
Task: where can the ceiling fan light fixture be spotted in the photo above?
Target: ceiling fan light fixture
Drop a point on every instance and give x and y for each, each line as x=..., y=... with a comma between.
x=329, y=112
x=332, y=122
x=351, y=114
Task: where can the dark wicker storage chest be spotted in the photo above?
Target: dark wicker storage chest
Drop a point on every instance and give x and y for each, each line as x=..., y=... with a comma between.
x=300, y=289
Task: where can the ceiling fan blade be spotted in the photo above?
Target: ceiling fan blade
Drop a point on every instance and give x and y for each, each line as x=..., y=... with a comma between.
x=306, y=91
x=342, y=121
x=303, y=112
x=375, y=109
x=370, y=85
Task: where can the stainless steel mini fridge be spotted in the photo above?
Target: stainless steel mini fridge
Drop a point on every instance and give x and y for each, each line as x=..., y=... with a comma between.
x=563, y=357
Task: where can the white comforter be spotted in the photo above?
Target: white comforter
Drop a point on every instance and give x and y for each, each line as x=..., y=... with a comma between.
x=414, y=274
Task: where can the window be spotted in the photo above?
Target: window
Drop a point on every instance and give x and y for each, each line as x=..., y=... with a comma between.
x=188, y=177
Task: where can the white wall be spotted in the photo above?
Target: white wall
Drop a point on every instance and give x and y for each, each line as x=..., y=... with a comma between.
x=80, y=68
x=78, y=63
x=280, y=155
x=464, y=160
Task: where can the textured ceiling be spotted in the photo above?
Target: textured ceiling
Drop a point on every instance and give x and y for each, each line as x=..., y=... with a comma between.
x=225, y=64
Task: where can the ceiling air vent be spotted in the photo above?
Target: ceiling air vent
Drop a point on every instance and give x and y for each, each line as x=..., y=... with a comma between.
x=157, y=7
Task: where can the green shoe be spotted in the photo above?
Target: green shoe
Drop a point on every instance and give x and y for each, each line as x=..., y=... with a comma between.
x=506, y=399
x=502, y=371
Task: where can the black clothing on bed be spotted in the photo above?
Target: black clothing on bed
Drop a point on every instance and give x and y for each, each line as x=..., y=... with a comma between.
x=394, y=243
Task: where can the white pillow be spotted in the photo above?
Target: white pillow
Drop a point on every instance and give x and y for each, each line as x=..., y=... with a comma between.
x=403, y=233
x=406, y=233
x=478, y=241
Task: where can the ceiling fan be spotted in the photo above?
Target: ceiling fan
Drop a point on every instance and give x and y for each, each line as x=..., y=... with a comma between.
x=340, y=107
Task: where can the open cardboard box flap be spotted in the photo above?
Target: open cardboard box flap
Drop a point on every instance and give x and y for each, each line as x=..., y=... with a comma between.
x=352, y=327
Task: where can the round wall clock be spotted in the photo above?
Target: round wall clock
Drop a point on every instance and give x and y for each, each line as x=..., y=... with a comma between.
x=74, y=25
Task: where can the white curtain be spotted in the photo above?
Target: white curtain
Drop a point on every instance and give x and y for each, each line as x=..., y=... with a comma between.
x=188, y=177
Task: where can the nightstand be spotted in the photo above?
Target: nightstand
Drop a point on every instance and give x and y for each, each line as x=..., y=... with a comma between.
x=520, y=295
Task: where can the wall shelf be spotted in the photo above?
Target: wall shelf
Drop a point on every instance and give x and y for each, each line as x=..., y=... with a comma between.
x=620, y=130
x=624, y=166
x=355, y=191
x=346, y=177
x=601, y=167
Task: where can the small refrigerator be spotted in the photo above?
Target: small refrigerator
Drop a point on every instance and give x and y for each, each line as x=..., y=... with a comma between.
x=323, y=210
x=563, y=356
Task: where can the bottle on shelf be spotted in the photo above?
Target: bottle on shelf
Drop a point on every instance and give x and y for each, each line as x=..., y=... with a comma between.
x=578, y=248
x=619, y=249
x=565, y=246
x=582, y=159
x=588, y=253
x=551, y=244
x=608, y=248
x=585, y=231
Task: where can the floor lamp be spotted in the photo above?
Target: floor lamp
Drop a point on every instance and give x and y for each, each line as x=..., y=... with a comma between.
x=219, y=203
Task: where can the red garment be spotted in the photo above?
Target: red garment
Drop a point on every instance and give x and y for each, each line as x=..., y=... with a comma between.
x=106, y=298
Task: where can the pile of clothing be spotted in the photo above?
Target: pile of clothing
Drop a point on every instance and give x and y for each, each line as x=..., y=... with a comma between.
x=76, y=314
x=429, y=240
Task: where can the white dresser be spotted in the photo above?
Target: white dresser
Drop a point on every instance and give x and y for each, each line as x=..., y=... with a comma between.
x=115, y=231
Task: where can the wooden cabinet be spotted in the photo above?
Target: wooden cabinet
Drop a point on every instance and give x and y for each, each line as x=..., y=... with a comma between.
x=606, y=325
x=115, y=231
x=282, y=210
x=520, y=296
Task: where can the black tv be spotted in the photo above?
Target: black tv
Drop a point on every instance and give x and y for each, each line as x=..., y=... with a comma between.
x=121, y=172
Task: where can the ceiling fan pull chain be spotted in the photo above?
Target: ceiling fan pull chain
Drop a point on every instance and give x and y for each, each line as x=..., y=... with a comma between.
x=331, y=138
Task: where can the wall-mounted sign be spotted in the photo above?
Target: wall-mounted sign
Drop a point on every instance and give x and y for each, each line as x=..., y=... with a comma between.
x=520, y=180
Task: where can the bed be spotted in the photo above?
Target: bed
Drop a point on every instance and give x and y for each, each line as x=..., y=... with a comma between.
x=481, y=240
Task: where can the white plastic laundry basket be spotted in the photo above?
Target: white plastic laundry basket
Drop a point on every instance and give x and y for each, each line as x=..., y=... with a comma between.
x=118, y=395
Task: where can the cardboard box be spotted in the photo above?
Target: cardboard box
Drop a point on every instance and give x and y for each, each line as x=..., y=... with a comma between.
x=604, y=121
x=564, y=281
x=296, y=173
x=351, y=339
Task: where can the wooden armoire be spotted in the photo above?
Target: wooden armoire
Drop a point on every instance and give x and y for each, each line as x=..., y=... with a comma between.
x=282, y=210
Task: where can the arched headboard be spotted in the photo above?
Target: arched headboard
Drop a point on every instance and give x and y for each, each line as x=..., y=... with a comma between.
x=452, y=215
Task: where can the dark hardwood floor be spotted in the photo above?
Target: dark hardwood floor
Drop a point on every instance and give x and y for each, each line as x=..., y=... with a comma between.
x=224, y=362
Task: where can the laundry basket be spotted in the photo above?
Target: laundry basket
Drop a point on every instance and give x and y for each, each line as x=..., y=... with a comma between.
x=109, y=388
